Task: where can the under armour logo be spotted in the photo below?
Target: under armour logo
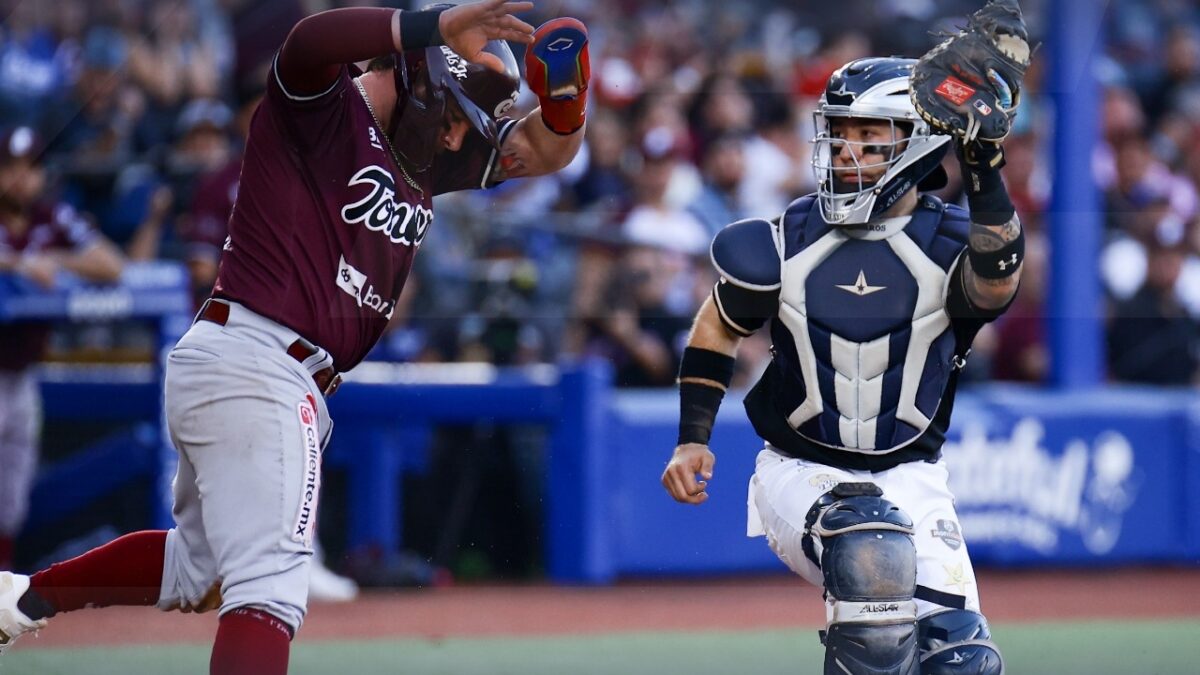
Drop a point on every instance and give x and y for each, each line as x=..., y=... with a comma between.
x=1004, y=264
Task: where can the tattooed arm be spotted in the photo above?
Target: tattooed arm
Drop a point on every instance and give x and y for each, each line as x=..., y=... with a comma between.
x=992, y=293
x=996, y=244
x=532, y=149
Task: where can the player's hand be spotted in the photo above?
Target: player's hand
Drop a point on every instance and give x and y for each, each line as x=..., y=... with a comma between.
x=467, y=28
x=679, y=478
x=979, y=154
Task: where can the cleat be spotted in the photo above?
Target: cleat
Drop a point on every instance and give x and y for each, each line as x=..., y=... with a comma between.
x=13, y=622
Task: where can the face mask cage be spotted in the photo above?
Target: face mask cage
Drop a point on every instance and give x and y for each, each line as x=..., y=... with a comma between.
x=417, y=122
x=843, y=190
x=480, y=120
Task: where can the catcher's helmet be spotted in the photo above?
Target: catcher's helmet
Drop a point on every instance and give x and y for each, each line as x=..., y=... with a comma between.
x=875, y=88
x=427, y=76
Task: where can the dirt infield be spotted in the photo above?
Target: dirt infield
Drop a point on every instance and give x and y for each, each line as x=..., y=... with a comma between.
x=772, y=602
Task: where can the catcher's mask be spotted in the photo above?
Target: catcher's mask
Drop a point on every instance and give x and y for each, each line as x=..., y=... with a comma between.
x=428, y=76
x=874, y=89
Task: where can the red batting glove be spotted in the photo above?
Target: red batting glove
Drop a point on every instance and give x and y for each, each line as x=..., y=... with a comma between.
x=557, y=68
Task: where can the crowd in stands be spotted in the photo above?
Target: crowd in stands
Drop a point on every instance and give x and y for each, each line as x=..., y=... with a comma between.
x=700, y=115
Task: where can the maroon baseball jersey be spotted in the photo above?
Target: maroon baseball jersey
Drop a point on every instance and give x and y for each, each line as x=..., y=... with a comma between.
x=326, y=225
x=51, y=228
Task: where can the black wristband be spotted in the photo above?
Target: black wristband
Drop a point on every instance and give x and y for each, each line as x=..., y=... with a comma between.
x=1001, y=263
x=419, y=29
x=987, y=198
x=698, y=405
x=705, y=364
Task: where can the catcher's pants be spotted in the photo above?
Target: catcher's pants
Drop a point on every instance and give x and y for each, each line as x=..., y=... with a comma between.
x=20, y=422
x=783, y=489
x=250, y=427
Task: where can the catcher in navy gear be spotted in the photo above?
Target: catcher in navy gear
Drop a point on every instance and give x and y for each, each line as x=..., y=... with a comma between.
x=873, y=294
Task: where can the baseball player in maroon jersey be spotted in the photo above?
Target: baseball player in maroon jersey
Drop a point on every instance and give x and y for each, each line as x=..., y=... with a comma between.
x=335, y=197
x=37, y=239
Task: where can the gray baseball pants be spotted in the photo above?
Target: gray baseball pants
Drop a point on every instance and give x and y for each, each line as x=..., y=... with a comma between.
x=250, y=426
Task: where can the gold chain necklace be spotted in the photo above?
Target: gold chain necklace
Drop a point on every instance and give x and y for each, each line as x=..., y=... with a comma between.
x=387, y=141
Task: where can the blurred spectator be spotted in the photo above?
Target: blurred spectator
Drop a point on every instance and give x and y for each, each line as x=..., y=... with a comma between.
x=1027, y=178
x=656, y=219
x=1151, y=337
x=723, y=168
x=97, y=154
x=1142, y=178
x=37, y=240
x=32, y=68
x=1021, y=353
x=604, y=185
x=70, y=24
x=641, y=334
x=500, y=330
x=94, y=127
x=171, y=64
x=720, y=107
x=1176, y=85
x=777, y=169
x=206, y=225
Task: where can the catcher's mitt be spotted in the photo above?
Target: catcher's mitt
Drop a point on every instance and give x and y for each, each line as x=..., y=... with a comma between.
x=970, y=85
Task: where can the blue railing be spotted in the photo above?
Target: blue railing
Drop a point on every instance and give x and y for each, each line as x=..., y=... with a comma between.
x=154, y=292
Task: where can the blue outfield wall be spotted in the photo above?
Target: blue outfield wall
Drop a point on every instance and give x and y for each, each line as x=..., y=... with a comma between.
x=1104, y=477
x=1041, y=478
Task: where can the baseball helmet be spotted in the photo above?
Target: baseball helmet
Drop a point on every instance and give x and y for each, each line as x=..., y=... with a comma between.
x=877, y=89
x=429, y=76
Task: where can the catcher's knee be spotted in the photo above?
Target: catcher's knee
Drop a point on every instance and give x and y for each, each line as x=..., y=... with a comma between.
x=869, y=563
x=957, y=642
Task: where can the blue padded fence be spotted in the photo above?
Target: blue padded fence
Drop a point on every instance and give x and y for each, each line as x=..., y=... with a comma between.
x=1042, y=478
x=1096, y=477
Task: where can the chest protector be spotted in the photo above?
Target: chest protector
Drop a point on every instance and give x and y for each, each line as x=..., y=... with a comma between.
x=865, y=352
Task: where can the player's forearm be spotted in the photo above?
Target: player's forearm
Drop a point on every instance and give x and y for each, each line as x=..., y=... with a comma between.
x=319, y=45
x=649, y=352
x=145, y=242
x=549, y=151
x=704, y=374
x=709, y=333
x=100, y=262
x=996, y=244
x=996, y=247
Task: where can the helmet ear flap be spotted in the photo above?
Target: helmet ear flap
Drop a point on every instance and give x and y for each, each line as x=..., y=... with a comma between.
x=936, y=180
